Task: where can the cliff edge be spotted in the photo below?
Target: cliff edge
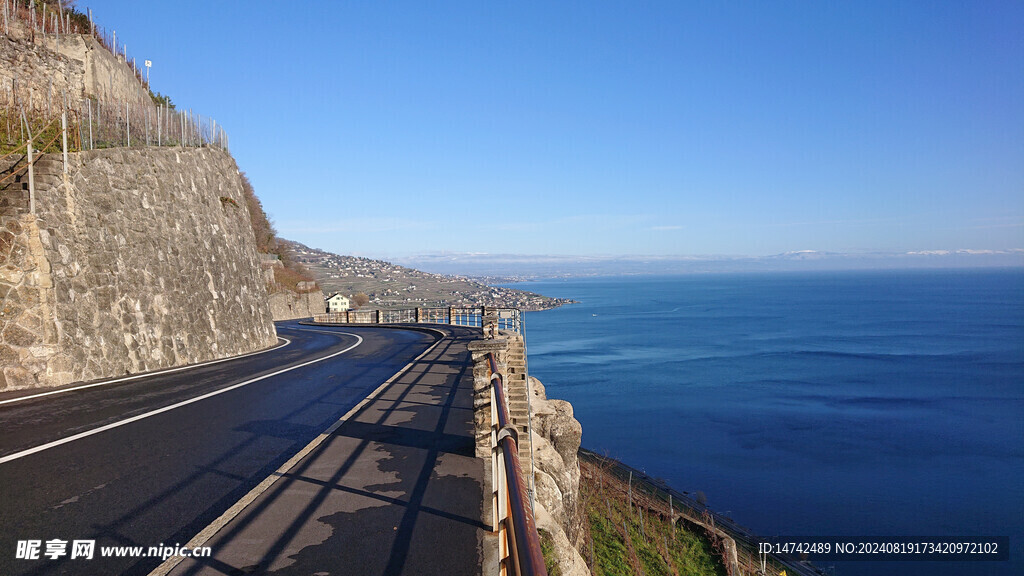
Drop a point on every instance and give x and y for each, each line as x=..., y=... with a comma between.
x=556, y=471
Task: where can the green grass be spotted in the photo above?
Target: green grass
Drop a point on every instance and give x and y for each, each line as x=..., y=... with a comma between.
x=620, y=543
x=547, y=548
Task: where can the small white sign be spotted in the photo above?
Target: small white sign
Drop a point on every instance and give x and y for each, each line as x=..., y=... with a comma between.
x=148, y=63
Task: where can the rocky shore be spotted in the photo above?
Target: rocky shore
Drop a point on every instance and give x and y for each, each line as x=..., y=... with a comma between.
x=557, y=509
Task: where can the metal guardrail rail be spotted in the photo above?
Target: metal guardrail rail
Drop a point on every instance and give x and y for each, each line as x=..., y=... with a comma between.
x=510, y=319
x=518, y=540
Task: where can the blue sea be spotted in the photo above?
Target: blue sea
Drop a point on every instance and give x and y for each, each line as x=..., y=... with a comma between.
x=808, y=404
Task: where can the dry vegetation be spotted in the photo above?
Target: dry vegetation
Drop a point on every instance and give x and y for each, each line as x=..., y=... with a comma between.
x=267, y=242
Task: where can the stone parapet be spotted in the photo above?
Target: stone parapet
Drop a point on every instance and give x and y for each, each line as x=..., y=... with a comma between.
x=479, y=349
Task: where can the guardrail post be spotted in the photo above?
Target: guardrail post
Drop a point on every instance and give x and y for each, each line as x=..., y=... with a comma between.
x=489, y=322
x=347, y=317
x=64, y=140
x=31, y=180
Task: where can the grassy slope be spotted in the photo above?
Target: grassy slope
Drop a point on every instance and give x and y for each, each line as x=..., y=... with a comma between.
x=614, y=510
x=638, y=538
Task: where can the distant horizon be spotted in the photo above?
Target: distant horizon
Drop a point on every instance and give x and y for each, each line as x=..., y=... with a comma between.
x=456, y=255
x=683, y=256
x=554, y=266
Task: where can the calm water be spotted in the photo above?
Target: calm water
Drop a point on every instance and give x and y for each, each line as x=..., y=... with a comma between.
x=881, y=403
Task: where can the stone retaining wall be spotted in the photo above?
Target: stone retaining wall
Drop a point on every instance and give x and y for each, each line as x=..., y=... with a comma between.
x=288, y=305
x=80, y=67
x=144, y=259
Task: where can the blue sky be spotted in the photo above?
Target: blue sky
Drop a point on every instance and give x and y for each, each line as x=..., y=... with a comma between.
x=388, y=129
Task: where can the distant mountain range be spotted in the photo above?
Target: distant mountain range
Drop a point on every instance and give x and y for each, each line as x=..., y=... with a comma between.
x=512, y=267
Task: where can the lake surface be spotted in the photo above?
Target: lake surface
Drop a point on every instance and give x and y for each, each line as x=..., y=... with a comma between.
x=824, y=404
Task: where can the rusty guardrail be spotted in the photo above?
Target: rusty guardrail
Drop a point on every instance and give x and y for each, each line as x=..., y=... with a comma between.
x=518, y=540
x=510, y=319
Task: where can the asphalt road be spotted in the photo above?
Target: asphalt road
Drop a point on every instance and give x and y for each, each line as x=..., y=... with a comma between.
x=394, y=490
x=161, y=478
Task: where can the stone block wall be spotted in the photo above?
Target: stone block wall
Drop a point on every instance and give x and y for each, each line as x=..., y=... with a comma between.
x=145, y=259
x=288, y=305
x=23, y=336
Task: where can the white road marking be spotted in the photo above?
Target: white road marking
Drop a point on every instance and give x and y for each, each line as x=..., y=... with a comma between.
x=113, y=425
x=145, y=375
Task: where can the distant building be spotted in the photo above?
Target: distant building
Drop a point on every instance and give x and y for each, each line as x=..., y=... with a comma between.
x=337, y=303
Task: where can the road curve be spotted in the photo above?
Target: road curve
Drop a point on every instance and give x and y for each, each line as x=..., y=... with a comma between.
x=179, y=462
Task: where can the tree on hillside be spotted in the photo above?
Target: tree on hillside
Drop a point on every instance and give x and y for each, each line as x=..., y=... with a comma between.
x=360, y=300
x=164, y=100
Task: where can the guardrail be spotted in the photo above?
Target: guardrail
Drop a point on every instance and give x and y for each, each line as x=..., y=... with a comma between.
x=518, y=541
x=510, y=319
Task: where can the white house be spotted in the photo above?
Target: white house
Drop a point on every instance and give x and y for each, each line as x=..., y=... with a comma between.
x=337, y=303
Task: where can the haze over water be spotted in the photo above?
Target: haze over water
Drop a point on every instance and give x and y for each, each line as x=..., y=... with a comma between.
x=824, y=404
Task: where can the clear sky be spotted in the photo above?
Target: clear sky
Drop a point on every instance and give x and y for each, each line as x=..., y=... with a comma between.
x=606, y=128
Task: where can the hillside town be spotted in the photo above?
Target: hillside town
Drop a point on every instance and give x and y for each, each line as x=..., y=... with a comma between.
x=391, y=286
